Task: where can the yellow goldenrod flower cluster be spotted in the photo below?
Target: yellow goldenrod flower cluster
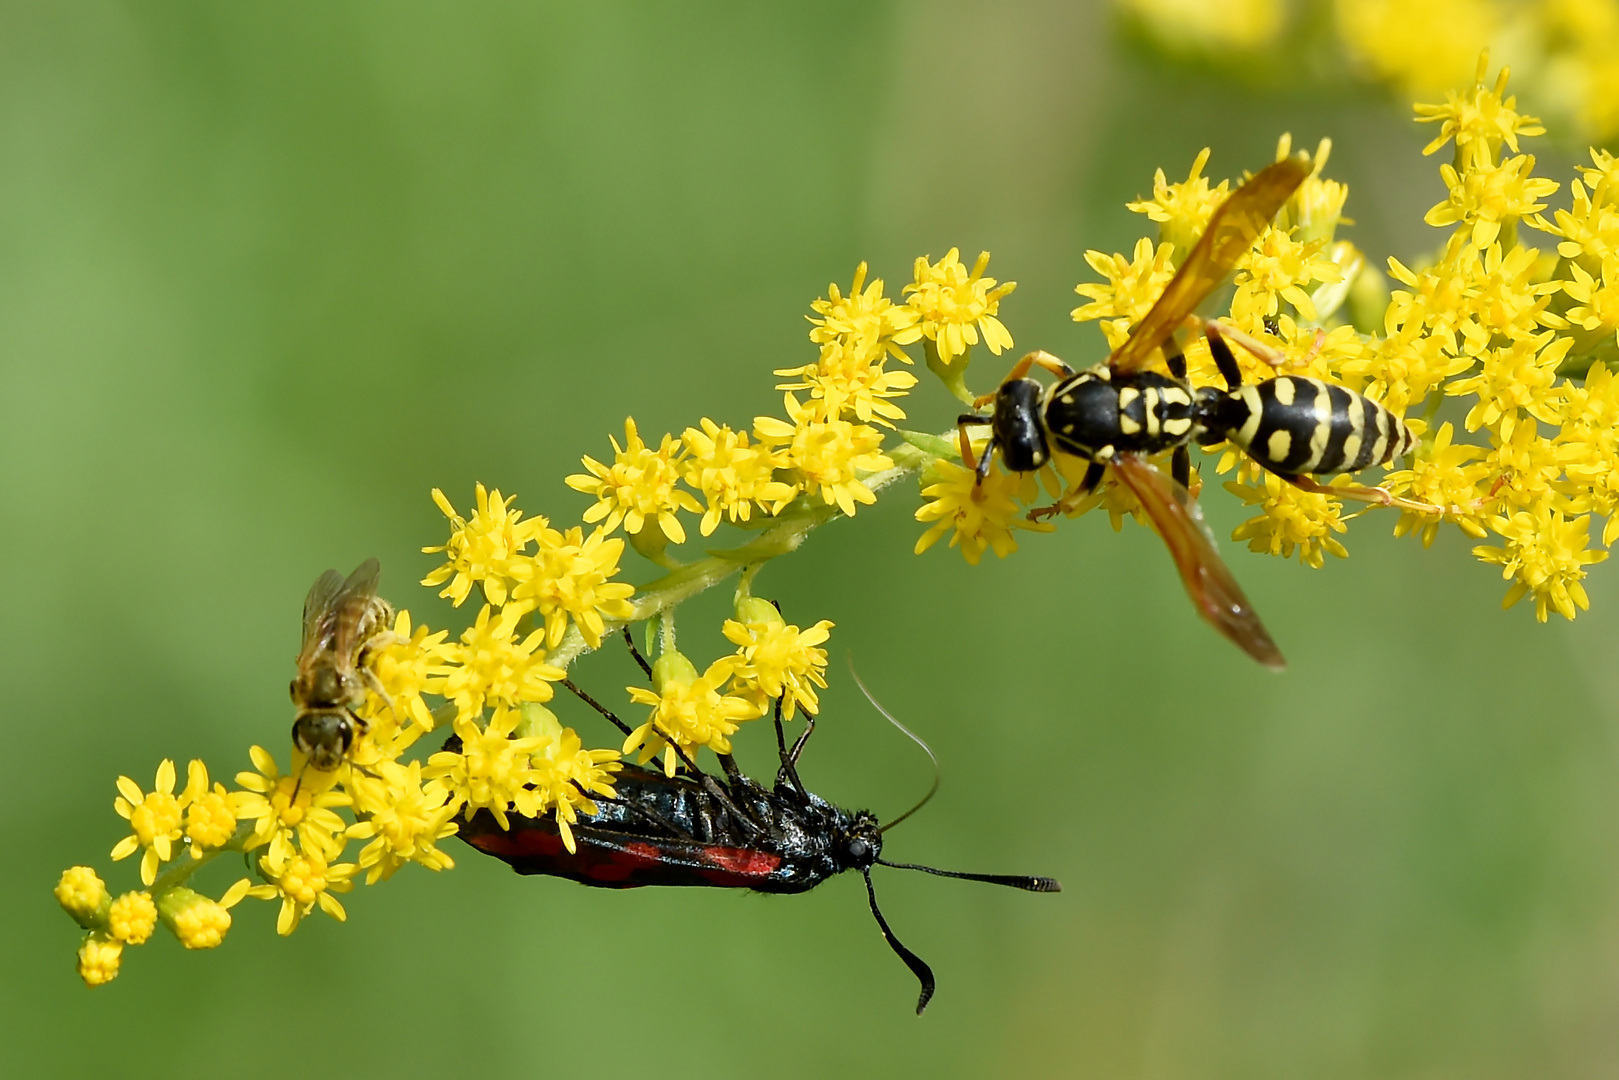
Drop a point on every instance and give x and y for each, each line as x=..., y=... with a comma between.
x=1492, y=338
x=548, y=595
x=296, y=825
x=1567, y=50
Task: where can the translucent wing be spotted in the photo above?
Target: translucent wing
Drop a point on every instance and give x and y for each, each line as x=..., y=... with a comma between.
x=351, y=604
x=333, y=608
x=1231, y=231
x=317, y=604
x=1214, y=592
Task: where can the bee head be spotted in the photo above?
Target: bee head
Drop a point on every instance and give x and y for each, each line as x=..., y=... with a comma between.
x=324, y=737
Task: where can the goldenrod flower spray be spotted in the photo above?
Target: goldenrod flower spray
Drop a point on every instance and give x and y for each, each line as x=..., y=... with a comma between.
x=1520, y=338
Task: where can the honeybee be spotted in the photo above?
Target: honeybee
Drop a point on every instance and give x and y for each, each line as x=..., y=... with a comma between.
x=344, y=620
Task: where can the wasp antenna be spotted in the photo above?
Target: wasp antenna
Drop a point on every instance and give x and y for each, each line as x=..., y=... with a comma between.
x=1015, y=881
x=928, y=750
x=918, y=966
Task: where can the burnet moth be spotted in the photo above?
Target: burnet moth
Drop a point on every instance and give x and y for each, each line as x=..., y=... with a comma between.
x=720, y=831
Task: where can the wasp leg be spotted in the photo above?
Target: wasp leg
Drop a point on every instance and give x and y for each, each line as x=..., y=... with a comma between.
x=1223, y=359
x=1074, y=496
x=1180, y=466
x=979, y=466
x=1359, y=493
x=1274, y=357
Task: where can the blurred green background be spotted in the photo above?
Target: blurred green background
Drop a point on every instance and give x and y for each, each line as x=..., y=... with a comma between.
x=268, y=274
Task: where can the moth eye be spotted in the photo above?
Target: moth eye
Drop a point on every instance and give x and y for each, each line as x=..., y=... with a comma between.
x=859, y=849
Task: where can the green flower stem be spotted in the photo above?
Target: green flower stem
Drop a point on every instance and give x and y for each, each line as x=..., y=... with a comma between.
x=744, y=584
x=790, y=530
x=181, y=871
x=953, y=374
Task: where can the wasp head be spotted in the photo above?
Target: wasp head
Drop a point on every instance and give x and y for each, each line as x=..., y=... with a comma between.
x=1019, y=432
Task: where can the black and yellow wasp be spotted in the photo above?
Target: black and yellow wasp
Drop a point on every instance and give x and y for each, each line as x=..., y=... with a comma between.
x=1117, y=413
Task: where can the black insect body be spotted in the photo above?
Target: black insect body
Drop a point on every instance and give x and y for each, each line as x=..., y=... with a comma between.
x=1117, y=414
x=671, y=830
x=1289, y=424
x=728, y=832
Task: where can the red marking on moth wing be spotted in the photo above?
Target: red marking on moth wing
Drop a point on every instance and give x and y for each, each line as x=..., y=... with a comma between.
x=644, y=852
x=524, y=844
x=741, y=861
x=624, y=864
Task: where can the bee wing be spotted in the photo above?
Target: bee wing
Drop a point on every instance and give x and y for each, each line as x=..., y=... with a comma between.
x=1214, y=592
x=317, y=604
x=333, y=607
x=352, y=602
x=1230, y=233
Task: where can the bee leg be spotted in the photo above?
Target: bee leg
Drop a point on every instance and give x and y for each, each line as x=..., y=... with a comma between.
x=1074, y=496
x=374, y=684
x=1180, y=466
x=1359, y=493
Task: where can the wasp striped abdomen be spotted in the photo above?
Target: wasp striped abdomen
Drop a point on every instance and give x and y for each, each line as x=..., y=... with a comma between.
x=1295, y=425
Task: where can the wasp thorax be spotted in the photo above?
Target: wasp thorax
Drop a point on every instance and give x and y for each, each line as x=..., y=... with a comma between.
x=1018, y=431
x=324, y=738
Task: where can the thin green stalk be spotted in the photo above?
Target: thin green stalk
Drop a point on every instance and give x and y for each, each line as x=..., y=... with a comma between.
x=681, y=585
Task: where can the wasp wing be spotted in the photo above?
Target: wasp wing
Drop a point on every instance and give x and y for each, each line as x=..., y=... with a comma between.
x=1214, y=592
x=1231, y=232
